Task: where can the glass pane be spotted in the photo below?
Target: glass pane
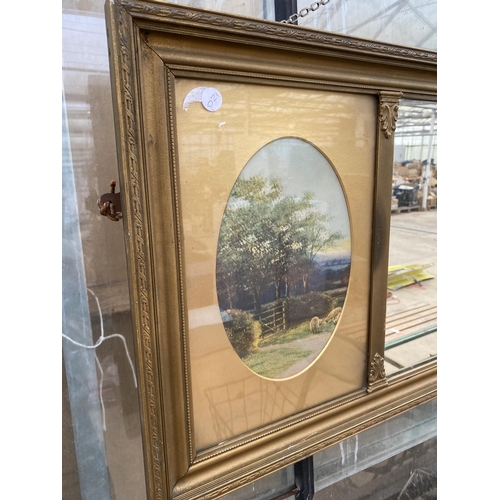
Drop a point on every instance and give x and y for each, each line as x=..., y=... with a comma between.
x=411, y=321
x=402, y=22
x=412, y=474
x=102, y=442
x=276, y=484
x=374, y=445
x=262, y=9
x=211, y=159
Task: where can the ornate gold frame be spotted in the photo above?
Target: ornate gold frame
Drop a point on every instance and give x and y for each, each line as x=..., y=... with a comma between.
x=151, y=45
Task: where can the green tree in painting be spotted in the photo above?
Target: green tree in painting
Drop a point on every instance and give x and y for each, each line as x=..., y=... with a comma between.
x=316, y=238
x=268, y=239
x=245, y=243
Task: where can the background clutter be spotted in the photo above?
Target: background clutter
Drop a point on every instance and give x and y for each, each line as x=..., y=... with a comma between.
x=413, y=182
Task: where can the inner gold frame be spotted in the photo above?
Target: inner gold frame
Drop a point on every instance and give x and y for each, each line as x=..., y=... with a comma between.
x=158, y=51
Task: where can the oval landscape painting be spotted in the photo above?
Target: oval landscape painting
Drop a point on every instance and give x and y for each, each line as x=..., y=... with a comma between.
x=283, y=258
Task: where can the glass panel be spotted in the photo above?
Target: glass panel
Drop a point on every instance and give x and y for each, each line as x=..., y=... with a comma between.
x=213, y=150
x=102, y=443
x=412, y=474
x=374, y=445
x=403, y=22
x=411, y=322
x=276, y=484
x=262, y=9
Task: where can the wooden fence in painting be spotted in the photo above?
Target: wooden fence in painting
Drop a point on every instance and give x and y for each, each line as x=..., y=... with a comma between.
x=272, y=320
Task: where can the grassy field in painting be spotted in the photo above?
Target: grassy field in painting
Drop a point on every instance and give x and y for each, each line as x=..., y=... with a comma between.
x=273, y=362
x=277, y=353
x=299, y=332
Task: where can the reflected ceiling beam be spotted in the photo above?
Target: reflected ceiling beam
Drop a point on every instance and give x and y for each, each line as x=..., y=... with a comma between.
x=406, y=104
x=428, y=134
x=425, y=21
x=421, y=16
x=398, y=3
x=423, y=40
x=388, y=21
x=414, y=128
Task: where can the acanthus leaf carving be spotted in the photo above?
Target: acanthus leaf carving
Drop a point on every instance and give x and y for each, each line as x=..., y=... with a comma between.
x=388, y=111
x=377, y=369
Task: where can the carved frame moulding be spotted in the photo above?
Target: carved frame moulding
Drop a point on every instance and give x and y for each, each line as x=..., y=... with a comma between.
x=255, y=164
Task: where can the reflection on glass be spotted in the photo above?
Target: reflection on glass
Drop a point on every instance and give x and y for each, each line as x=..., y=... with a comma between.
x=262, y=9
x=228, y=398
x=283, y=258
x=402, y=22
x=411, y=319
x=276, y=484
x=364, y=450
x=102, y=440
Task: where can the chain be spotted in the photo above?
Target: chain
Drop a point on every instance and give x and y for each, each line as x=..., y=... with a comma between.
x=303, y=12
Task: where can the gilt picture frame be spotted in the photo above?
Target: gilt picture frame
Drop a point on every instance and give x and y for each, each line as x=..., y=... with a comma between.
x=255, y=167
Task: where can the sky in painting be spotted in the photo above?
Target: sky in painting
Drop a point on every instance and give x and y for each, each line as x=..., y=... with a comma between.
x=301, y=167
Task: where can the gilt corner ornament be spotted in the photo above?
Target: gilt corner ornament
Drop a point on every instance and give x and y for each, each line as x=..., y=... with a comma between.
x=388, y=111
x=376, y=374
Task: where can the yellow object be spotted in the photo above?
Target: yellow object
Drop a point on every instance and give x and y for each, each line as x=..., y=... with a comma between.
x=401, y=276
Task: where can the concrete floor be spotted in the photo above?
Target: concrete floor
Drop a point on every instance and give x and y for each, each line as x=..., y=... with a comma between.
x=413, y=240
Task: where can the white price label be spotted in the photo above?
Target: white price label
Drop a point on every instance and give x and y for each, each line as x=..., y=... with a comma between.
x=211, y=99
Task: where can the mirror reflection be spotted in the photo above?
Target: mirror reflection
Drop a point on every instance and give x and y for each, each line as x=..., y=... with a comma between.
x=411, y=318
